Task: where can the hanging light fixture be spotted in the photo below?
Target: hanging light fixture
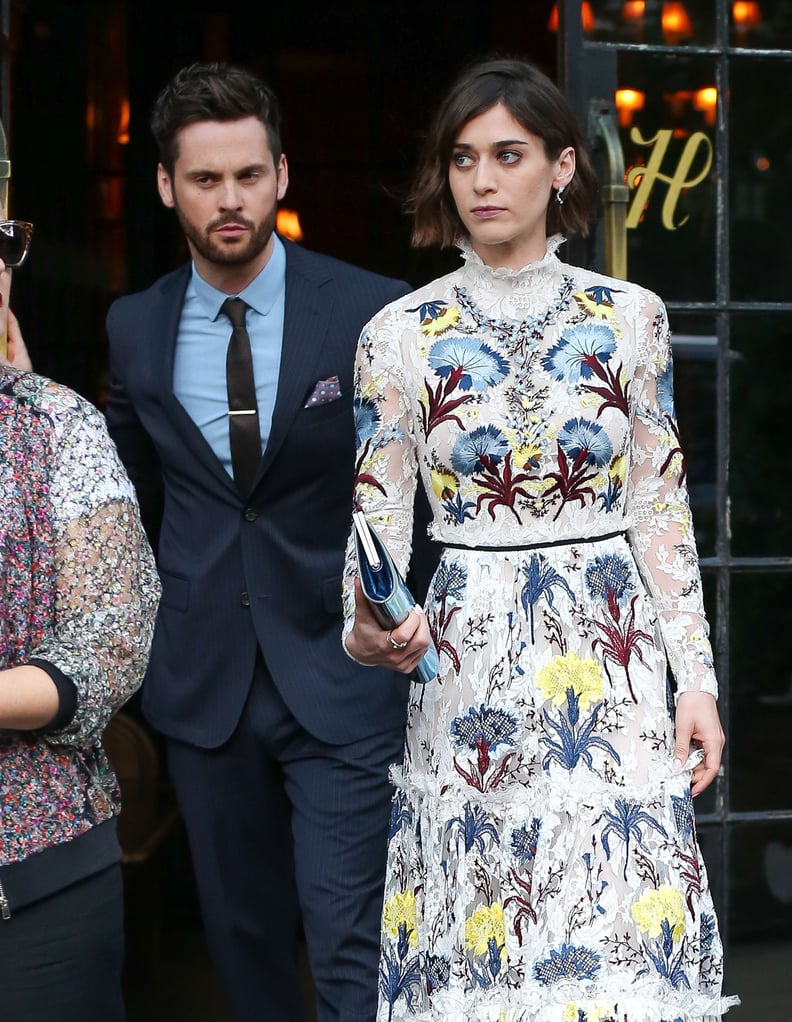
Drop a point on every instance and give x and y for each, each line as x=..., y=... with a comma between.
x=706, y=100
x=586, y=14
x=675, y=22
x=287, y=224
x=746, y=14
x=627, y=102
x=633, y=10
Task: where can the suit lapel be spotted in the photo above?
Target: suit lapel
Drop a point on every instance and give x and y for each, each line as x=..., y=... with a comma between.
x=163, y=331
x=307, y=311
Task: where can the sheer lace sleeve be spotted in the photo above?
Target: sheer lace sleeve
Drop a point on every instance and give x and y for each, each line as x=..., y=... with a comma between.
x=106, y=588
x=385, y=465
x=662, y=530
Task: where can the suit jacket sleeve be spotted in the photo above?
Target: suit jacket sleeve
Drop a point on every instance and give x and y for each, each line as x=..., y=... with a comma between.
x=135, y=446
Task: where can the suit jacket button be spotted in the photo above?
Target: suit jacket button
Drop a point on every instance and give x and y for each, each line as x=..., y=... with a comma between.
x=244, y=599
x=251, y=514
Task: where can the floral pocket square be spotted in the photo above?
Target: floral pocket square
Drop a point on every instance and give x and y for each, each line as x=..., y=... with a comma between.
x=324, y=392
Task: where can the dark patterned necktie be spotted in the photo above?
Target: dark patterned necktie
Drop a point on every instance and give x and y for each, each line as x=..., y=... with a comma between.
x=243, y=418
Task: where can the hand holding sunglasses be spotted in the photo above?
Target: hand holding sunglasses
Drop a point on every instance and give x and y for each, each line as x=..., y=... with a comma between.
x=15, y=238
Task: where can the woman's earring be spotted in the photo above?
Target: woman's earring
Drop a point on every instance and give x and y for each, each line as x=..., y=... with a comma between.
x=559, y=200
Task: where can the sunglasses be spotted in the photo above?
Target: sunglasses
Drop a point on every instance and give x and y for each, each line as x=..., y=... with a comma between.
x=15, y=238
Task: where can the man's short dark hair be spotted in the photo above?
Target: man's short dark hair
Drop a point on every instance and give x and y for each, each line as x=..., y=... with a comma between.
x=212, y=92
x=540, y=107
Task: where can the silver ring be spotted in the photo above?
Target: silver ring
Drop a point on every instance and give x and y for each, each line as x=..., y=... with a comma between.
x=394, y=643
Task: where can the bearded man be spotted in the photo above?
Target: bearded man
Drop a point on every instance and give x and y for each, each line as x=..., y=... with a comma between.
x=231, y=406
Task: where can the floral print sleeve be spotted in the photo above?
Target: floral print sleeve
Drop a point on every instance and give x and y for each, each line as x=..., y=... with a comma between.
x=386, y=465
x=662, y=529
x=95, y=614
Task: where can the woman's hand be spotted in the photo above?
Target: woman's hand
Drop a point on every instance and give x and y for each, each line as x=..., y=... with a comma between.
x=697, y=721
x=16, y=352
x=401, y=648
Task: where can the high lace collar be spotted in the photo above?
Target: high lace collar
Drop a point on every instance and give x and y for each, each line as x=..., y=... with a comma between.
x=543, y=268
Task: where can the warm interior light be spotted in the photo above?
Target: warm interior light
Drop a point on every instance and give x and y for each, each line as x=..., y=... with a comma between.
x=675, y=22
x=627, y=102
x=762, y=163
x=633, y=10
x=746, y=13
x=287, y=224
x=706, y=100
x=586, y=13
x=123, y=123
x=588, y=17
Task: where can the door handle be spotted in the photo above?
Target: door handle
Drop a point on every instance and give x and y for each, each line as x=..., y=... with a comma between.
x=604, y=136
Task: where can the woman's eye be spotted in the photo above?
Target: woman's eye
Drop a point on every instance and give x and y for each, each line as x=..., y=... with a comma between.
x=509, y=156
x=461, y=160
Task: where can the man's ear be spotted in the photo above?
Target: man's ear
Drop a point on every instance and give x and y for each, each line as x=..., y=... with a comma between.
x=165, y=187
x=283, y=176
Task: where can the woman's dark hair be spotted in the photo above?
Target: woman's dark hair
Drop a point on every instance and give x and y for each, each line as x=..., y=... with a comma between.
x=212, y=92
x=541, y=108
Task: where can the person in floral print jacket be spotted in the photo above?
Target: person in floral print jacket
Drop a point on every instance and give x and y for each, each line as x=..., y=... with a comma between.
x=78, y=595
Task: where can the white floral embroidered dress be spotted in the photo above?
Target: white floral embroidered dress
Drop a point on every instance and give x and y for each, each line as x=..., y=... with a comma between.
x=542, y=863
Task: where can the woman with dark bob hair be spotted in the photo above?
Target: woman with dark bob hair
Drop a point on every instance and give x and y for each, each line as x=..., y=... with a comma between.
x=543, y=863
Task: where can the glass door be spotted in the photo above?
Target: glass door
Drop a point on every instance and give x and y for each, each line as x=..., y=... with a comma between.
x=700, y=209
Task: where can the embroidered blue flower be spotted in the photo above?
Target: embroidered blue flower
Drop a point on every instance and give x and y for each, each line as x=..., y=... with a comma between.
x=450, y=582
x=474, y=364
x=683, y=815
x=367, y=419
x=610, y=574
x=665, y=390
x=486, y=442
x=524, y=842
x=541, y=579
x=626, y=823
x=568, y=962
x=475, y=827
x=400, y=815
x=437, y=972
x=572, y=357
x=486, y=726
x=707, y=931
x=586, y=440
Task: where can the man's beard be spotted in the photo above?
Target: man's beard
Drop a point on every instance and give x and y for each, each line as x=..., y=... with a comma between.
x=224, y=253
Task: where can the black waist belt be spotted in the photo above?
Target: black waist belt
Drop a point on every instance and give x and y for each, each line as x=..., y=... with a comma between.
x=539, y=546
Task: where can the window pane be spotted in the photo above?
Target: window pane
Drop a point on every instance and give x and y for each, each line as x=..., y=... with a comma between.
x=760, y=752
x=670, y=24
x=759, y=166
x=760, y=883
x=766, y=25
x=667, y=128
x=760, y=481
x=695, y=347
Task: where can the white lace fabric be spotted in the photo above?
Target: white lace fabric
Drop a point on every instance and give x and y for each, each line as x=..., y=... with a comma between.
x=542, y=862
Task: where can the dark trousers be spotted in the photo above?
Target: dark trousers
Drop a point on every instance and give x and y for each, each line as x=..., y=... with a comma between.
x=283, y=827
x=61, y=958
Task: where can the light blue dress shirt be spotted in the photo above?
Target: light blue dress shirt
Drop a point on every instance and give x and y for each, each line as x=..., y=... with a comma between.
x=199, y=368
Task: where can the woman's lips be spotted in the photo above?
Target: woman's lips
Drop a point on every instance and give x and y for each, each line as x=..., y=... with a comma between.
x=486, y=212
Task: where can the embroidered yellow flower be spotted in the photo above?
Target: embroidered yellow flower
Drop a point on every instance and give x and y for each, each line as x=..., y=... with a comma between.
x=487, y=923
x=400, y=911
x=581, y=674
x=700, y=640
x=666, y=903
x=527, y=456
x=444, y=320
x=445, y=484
x=618, y=469
x=592, y=1012
x=595, y=309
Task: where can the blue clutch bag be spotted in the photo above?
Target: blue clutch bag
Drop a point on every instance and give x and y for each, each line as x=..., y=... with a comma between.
x=386, y=591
